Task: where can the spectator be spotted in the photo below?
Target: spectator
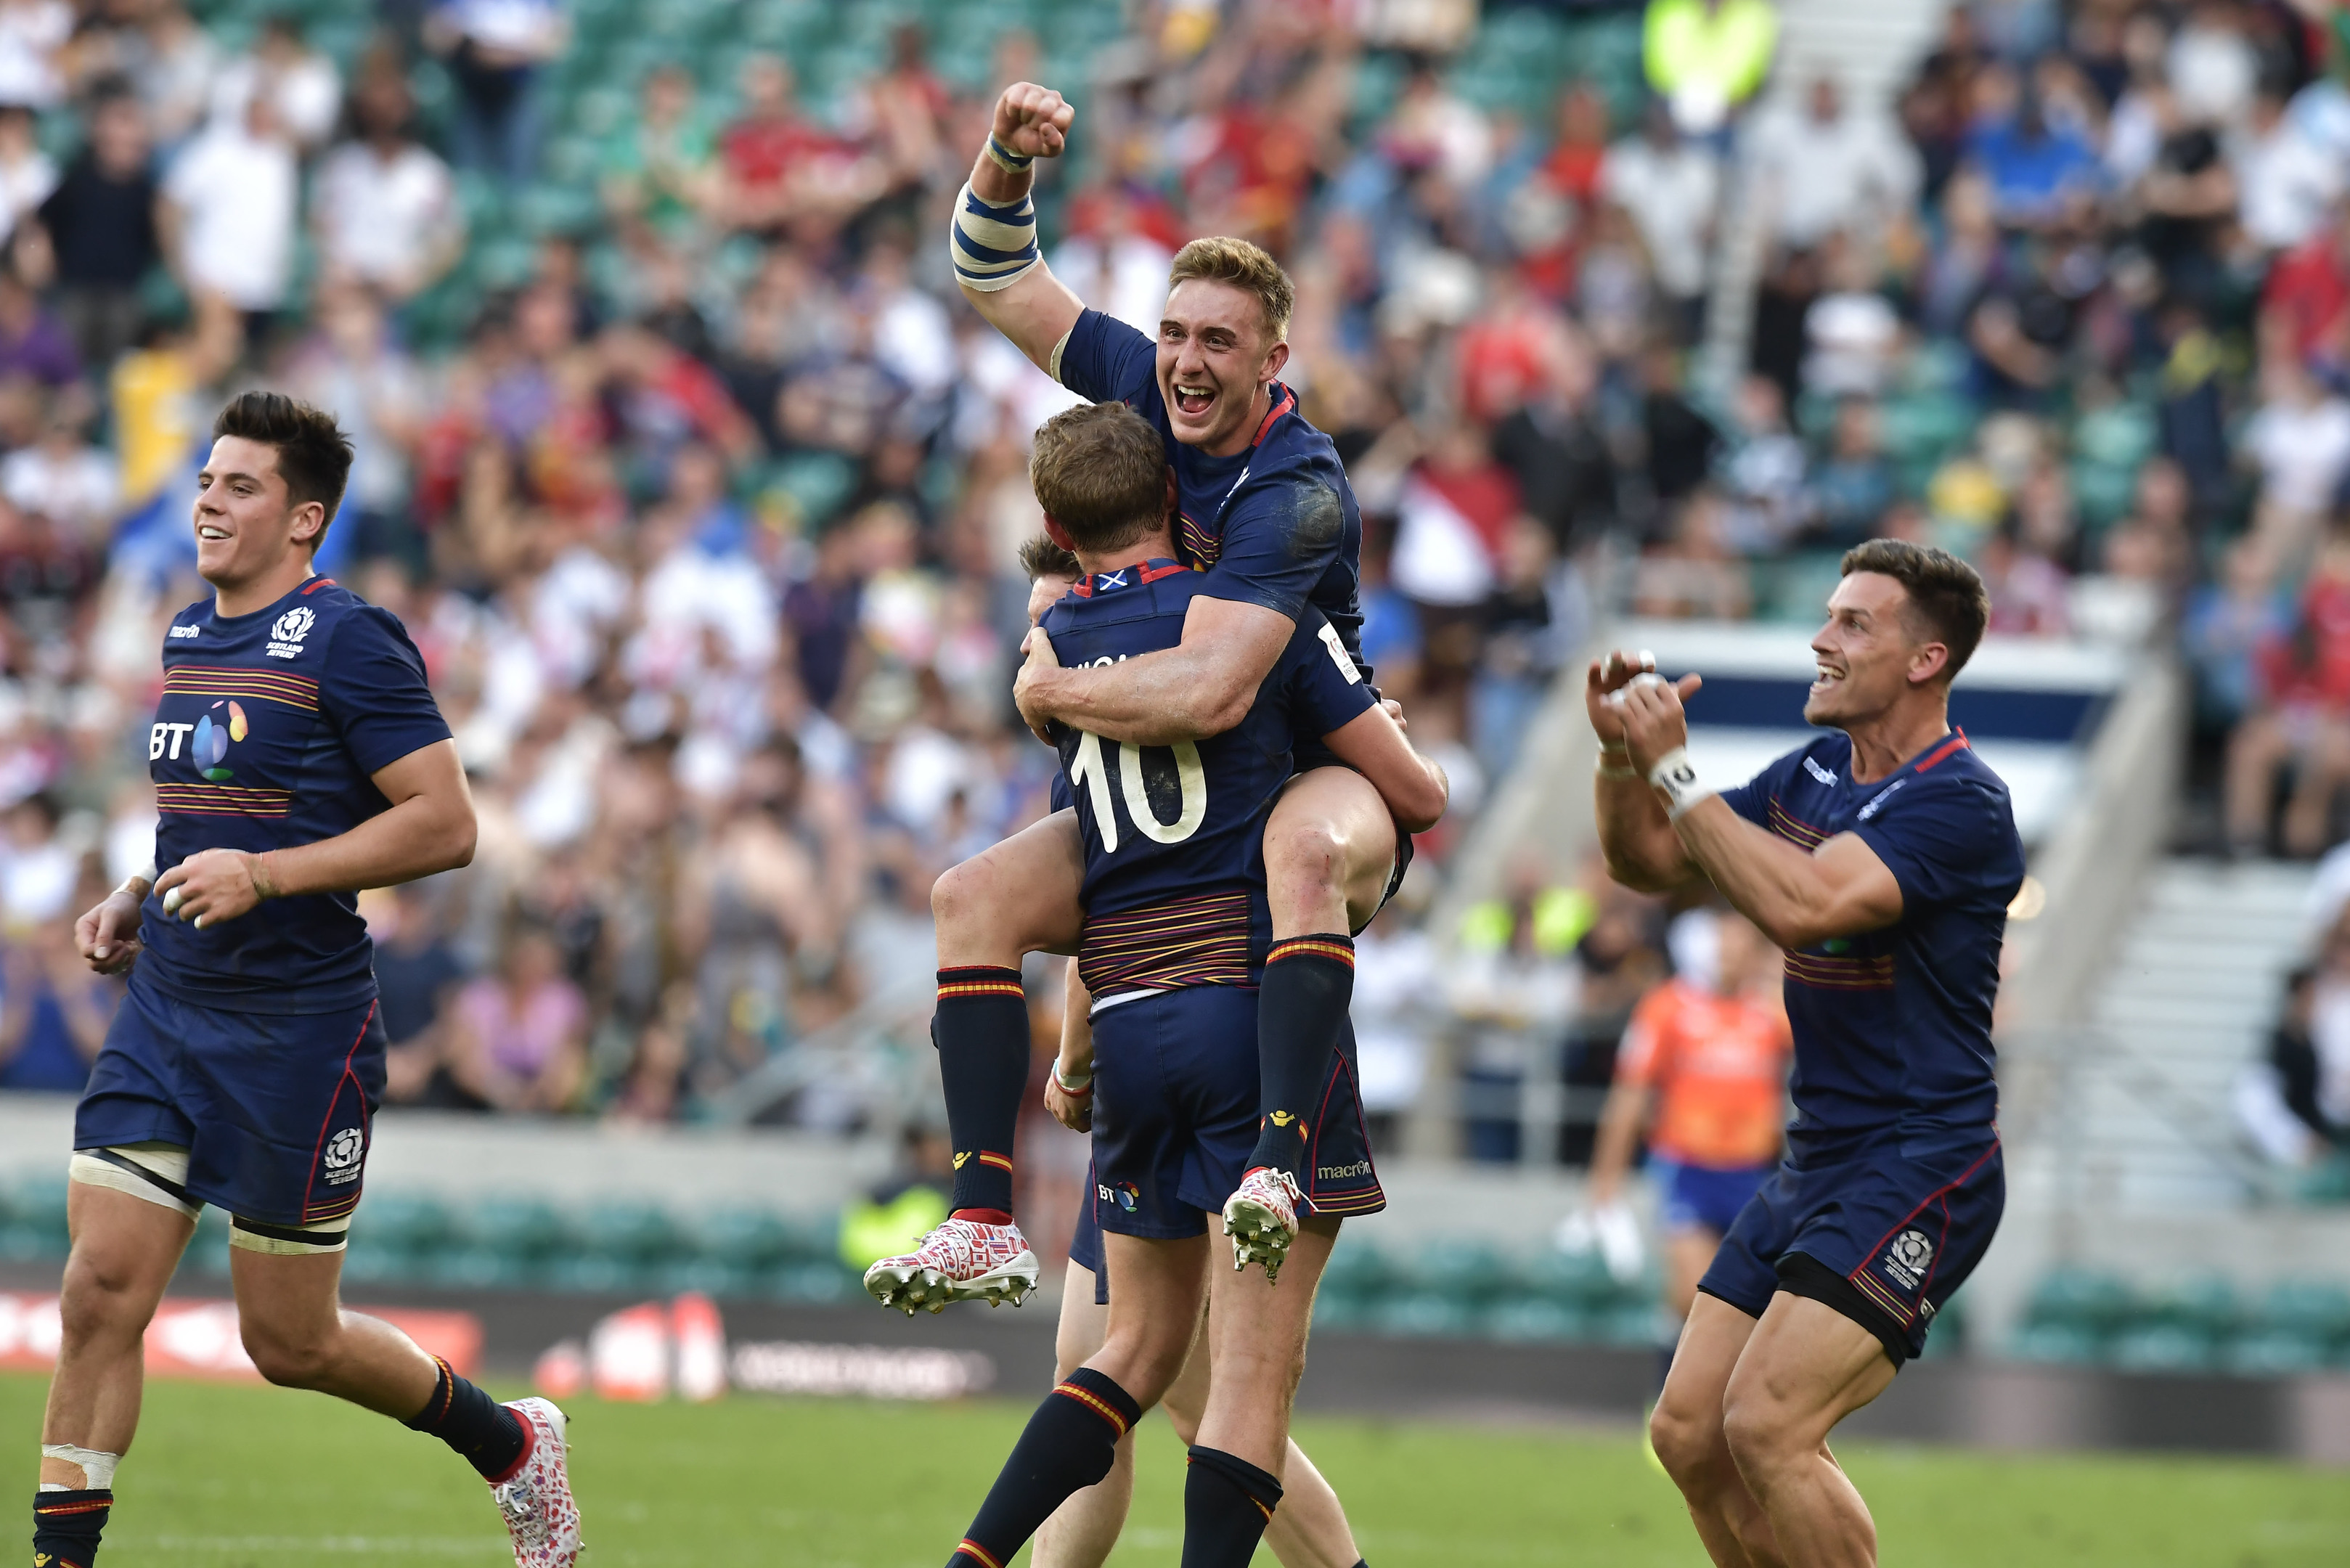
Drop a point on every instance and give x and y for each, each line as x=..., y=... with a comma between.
x=417, y=974
x=518, y=1040
x=1671, y=187
x=2229, y=626
x=100, y=221
x=495, y=50
x=2290, y=183
x=660, y=166
x=1707, y=57
x=33, y=345
x=2300, y=440
x=2300, y=719
x=779, y=166
x=1852, y=490
x=302, y=84
x=2293, y=1108
x=1825, y=171
x=352, y=364
x=384, y=207
x=174, y=63
x=27, y=175
x=54, y=1012
x=63, y=477
x=34, y=35
x=228, y=216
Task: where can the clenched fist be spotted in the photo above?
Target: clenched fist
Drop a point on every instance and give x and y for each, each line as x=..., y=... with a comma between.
x=1032, y=121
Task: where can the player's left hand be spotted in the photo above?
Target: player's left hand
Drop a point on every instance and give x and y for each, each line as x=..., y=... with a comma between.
x=211, y=886
x=1654, y=722
x=1074, y=1112
x=1039, y=649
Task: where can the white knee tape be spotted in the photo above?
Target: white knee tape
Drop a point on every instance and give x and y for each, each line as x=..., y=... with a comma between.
x=97, y=1468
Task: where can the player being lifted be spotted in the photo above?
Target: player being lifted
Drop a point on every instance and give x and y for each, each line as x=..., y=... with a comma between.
x=1264, y=509
x=1309, y=1530
x=1882, y=858
x=1175, y=929
x=297, y=756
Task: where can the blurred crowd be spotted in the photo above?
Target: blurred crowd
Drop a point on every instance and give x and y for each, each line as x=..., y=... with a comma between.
x=700, y=488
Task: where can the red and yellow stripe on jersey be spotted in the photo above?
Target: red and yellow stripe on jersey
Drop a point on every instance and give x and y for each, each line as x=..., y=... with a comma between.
x=1201, y=940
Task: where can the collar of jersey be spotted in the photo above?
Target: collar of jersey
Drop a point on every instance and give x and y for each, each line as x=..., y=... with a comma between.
x=1125, y=577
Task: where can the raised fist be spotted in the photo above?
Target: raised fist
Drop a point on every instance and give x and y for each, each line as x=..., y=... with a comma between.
x=1031, y=121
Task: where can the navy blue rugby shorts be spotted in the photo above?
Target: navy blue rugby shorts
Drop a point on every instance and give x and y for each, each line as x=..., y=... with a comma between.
x=275, y=1110
x=1175, y=1115
x=1884, y=1237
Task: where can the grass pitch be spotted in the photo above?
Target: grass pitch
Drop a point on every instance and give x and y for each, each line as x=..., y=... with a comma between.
x=259, y=1478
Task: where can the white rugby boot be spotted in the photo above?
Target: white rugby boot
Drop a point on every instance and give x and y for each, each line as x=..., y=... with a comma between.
x=1261, y=1217
x=541, y=1517
x=961, y=1261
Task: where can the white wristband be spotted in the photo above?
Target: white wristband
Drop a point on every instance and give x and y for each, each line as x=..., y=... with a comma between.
x=1072, y=1086
x=1677, y=777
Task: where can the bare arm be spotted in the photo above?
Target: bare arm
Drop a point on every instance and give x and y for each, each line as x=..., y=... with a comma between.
x=1036, y=311
x=429, y=829
x=1642, y=851
x=1074, y=1108
x=1796, y=897
x=1619, y=1128
x=1202, y=686
x=1413, y=787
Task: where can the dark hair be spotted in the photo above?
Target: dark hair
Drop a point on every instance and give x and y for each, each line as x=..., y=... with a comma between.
x=314, y=456
x=1948, y=603
x=1100, y=473
x=1040, y=557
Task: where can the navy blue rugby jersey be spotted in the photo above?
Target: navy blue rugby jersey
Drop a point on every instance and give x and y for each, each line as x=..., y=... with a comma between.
x=1893, y=1027
x=1274, y=525
x=1174, y=887
x=269, y=731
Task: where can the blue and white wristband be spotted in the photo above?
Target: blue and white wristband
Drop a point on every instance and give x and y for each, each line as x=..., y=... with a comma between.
x=1004, y=158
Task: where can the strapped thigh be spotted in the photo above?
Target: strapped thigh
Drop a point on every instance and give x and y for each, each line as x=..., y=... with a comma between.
x=154, y=1172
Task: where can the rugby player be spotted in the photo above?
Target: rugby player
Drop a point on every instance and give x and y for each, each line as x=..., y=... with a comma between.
x=1309, y=1530
x=297, y=756
x=1266, y=511
x=1703, y=1071
x=1173, y=945
x=1882, y=858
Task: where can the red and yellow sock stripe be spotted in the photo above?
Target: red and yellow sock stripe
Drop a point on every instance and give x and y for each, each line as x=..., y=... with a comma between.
x=977, y=1553
x=1095, y=1403
x=979, y=980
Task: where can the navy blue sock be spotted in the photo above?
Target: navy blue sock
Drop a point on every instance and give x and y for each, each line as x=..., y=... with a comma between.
x=485, y=1432
x=1308, y=980
x=981, y=1029
x=1227, y=1503
x=1070, y=1444
x=67, y=1525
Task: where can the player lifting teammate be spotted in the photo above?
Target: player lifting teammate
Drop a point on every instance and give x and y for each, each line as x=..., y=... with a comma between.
x=1882, y=859
x=297, y=756
x=1264, y=510
x=1174, y=938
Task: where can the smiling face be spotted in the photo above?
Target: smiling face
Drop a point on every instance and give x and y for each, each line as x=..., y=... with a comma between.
x=246, y=523
x=1212, y=361
x=1868, y=653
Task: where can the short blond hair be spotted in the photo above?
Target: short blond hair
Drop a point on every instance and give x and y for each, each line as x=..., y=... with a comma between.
x=1222, y=258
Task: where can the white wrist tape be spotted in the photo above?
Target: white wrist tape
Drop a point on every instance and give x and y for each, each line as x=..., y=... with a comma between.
x=1073, y=1083
x=992, y=246
x=1677, y=777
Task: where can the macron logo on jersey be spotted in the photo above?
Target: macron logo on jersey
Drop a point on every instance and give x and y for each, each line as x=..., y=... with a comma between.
x=1880, y=798
x=186, y=630
x=285, y=636
x=1826, y=776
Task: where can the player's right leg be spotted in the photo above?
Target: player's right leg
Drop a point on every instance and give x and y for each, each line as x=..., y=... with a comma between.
x=1014, y=898
x=1686, y=1431
x=1309, y=1530
x=295, y=1329
x=125, y=1248
x=1071, y=1441
x=1331, y=849
x=1083, y=1529
x=1806, y=1368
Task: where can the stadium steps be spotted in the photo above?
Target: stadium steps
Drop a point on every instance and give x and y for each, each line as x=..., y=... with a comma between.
x=2186, y=1005
x=1870, y=47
